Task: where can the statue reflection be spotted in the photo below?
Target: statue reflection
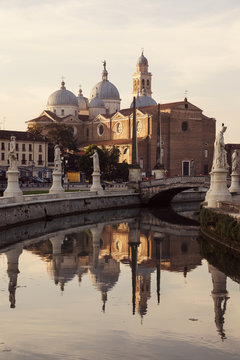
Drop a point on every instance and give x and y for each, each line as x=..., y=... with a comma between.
x=13, y=271
x=104, y=271
x=219, y=295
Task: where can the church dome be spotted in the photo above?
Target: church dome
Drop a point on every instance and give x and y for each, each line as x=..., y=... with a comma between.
x=62, y=97
x=105, y=89
x=96, y=102
x=82, y=101
x=144, y=100
x=142, y=61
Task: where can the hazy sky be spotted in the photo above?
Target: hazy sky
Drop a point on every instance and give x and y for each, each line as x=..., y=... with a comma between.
x=189, y=45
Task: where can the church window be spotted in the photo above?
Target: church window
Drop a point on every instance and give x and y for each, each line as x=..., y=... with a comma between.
x=205, y=169
x=40, y=148
x=3, y=156
x=139, y=126
x=186, y=106
x=17, y=147
x=23, y=147
x=184, y=126
x=143, y=82
x=30, y=157
x=62, y=112
x=100, y=129
x=87, y=132
x=119, y=128
x=3, y=146
x=148, y=83
x=30, y=147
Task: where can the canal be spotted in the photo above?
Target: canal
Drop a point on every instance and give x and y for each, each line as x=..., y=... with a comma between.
x=124, y=284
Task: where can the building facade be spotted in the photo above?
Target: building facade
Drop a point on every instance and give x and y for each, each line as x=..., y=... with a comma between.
x=187, y=134
x=32, y=152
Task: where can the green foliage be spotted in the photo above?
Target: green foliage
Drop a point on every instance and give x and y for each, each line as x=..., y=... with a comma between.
x=221, y=257
x=60, y=134
x=108, y=160
x=221, y=225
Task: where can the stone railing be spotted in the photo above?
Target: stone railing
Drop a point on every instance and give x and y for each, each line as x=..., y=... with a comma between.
x=176, y=180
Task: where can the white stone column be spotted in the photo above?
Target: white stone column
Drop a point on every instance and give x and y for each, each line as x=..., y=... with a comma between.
x=219, y=190
x=134, y=174
x=235, y=187
x=159, y=173
x=56, y=187
x=96, y=183
x=13, y=189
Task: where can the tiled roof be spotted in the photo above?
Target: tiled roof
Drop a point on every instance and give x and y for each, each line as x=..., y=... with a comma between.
x=20, y=135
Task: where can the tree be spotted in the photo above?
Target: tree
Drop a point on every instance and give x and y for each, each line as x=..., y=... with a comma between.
x=60, y=134
x=111, y=169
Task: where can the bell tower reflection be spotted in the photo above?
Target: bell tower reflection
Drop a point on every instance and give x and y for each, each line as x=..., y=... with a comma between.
x=13, y=271
x=219, y=295
x=158, y=238
x=134, y=241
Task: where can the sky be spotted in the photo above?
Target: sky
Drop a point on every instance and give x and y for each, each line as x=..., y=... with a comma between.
x=190, y=45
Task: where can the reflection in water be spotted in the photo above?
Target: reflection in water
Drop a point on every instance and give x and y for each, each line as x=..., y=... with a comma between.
x=219, y=295
x=137, y=240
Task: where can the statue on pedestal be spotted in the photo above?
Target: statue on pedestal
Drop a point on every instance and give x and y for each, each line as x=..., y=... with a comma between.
x=95, y=157
x=13, y=154
x=234, y=161
x=57, y=159
x=220, y=154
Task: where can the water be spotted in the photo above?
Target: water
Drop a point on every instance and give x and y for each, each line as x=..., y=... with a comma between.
x=114, y=285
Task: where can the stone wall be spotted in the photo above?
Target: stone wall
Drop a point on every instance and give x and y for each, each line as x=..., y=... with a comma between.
x=43, y=207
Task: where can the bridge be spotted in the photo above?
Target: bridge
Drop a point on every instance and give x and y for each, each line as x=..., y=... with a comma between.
x=165, y=189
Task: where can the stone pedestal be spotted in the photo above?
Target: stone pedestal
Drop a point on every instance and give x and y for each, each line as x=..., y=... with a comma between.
x=210, y=188
x=219, y=190
x=134, y=174
x=235, y=187
x=96, y=183
x=57, y=183
x=158, y=173
x=13, y=189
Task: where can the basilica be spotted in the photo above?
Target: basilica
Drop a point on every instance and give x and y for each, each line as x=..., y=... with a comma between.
x=187, y=135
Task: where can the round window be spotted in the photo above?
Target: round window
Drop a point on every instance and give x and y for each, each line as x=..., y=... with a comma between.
x=139, y=126
x=100, y=129
x=119, y=128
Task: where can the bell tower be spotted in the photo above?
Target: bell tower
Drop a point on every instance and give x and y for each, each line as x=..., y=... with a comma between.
x=142, y=78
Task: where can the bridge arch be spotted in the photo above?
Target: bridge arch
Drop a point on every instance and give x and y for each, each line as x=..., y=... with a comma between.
x=163, y=190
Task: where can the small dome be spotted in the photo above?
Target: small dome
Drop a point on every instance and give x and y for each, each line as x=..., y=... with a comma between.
x=82, y=101
x=96, y=102
x=144, y=100
x=62, y=97
x=142, y=61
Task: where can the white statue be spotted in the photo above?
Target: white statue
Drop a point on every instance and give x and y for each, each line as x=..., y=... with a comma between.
x=95, y=158
x=12, y=154
x=220, y=154
x=57, y=159
x=234, y=161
